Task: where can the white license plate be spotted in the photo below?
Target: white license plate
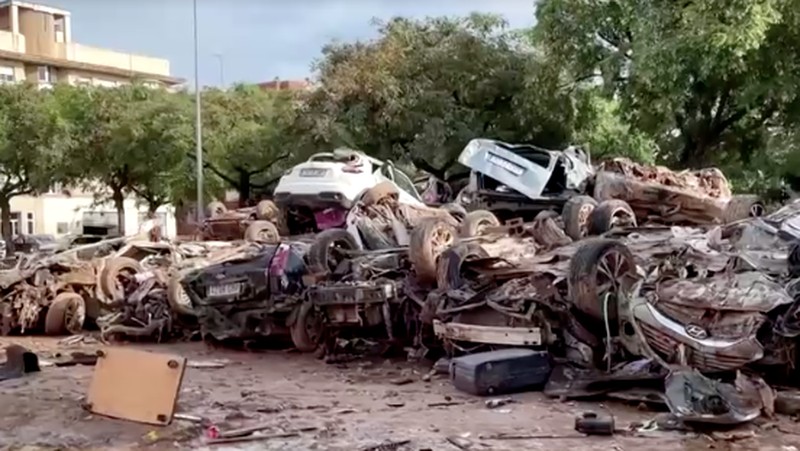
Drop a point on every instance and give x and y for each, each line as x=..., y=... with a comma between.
x=505, y=164
x=313, y=172
x=229, y=289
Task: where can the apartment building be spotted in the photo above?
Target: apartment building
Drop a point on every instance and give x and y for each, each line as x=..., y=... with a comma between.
x=36, y=45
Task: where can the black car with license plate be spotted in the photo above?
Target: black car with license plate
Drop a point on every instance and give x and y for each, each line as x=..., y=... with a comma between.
x=251, y=295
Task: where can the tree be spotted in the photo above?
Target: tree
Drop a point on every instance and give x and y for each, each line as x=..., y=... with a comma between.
x=159, y=132
x=700, y=78
x=423, y=89
x=245, y=140
x=31, y=145
x=128, y=139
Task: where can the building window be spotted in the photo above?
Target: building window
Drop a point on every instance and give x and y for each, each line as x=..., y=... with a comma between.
x=62, y=228
x=15, y=223
x=7, y=74
x=30, y=223
x=45, y=74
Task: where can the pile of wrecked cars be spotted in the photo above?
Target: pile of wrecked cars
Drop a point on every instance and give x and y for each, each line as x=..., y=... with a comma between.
x=637, y=282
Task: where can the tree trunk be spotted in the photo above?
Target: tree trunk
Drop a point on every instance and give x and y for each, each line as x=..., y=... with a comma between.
x=244, y=188
x=694, y=154
x=119, y=205
x=5, y=223
x=152, y=207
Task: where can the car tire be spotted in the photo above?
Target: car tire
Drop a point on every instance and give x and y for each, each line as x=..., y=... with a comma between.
x=379, y=192
x=603, y=217
x=7, y=318
x=428, y=240
x=109, y=276
x=66, y=315
x=476, y=221
x=215, y=209
x=449, y=266
x=306, y=330
x=266, y=210
x=456, y=211
x=593, y=265
x=320, y=258
x=576, y=215
x=263, y=232
x=743, y=206
x=177, y=297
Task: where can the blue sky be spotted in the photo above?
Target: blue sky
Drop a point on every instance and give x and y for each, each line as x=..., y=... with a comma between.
x=258, y=39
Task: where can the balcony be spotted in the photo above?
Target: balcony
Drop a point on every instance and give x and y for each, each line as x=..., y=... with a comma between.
x=85, y=58
x=123, y=61
x=11, y=42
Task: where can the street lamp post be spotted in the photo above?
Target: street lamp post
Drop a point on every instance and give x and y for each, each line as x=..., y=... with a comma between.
x=221, y=59
x=198, y=121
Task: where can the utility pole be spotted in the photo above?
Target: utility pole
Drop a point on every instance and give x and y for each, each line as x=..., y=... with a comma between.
x=198, y=121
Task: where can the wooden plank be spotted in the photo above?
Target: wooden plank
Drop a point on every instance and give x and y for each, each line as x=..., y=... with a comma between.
x=136, y=385
x=515, y=336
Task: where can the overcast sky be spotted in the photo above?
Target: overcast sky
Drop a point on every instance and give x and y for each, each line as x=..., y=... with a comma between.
x=258, y=39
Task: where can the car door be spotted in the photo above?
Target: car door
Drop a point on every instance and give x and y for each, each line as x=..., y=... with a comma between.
x=408, y=192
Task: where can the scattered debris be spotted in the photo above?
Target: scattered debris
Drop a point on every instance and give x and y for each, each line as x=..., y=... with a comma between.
x=207, y=363
x=590, y=423
x=19, y=362
x=388, y=446
x=502, y=371
x=495, y=403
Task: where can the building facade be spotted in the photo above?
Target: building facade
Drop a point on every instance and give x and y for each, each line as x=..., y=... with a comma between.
x=36, y=46
x=285, y=85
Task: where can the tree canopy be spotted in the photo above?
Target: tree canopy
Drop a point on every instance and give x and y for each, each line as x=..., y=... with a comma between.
x=709, y=81
x=688, y=84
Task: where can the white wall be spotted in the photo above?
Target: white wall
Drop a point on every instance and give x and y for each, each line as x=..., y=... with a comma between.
x=51, y=209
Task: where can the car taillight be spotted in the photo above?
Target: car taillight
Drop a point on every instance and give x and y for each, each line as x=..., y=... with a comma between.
x=351, y=170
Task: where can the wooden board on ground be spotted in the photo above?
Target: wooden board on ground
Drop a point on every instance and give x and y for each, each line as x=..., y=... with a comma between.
x=136, y=385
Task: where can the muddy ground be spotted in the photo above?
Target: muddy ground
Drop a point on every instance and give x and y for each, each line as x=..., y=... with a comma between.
x=352, y=406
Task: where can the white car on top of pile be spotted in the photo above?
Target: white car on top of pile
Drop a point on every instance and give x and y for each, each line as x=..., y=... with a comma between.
x=317, y=194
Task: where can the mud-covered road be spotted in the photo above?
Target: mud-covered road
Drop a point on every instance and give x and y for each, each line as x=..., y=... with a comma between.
x=352, y=406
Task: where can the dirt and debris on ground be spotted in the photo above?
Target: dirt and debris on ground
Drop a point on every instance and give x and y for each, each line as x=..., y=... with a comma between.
x=349, y=405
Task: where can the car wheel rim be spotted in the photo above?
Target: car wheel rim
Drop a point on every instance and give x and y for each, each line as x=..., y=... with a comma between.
x=442, y=239
x=74, y=315
x=312, y=324
x=613, y=274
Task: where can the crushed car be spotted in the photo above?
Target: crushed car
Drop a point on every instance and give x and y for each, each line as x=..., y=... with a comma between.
x=261, y=223
x=523, y=180
x=317, y=194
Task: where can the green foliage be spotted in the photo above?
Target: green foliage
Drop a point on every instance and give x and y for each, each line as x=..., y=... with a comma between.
x=422, y=89
x=245, y=135
x=32, y=138
x=128, y=139
x=703, y=79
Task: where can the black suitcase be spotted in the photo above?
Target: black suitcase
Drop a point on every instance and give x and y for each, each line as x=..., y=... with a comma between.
x=501, y=371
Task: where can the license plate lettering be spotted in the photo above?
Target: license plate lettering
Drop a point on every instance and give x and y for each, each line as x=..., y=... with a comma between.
x=505, y=164
x=313, y=172
x=228, y=289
